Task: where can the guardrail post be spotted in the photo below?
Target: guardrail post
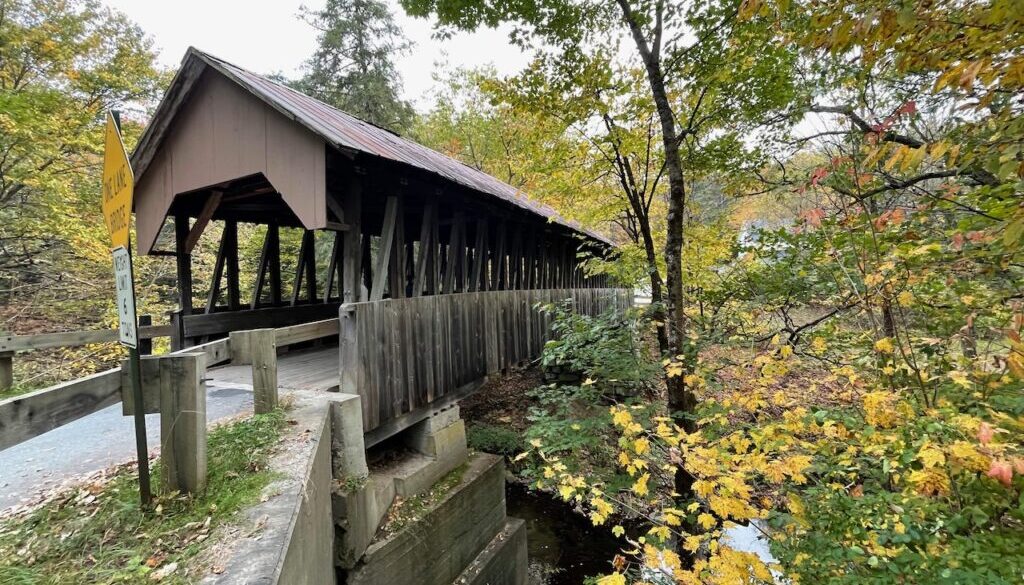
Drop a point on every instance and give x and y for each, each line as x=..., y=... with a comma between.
x=145, y=343
x=183, y=422
x=6, y=370
x=263, y=348
x=348, y=350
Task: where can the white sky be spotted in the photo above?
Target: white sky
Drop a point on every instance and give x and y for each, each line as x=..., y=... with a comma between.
x=266, y=36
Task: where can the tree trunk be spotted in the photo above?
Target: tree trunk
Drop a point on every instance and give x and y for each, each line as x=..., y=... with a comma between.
x=657, y=296
x=682, y=402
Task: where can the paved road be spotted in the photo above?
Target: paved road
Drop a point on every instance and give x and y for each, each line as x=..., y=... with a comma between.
x=93, y=443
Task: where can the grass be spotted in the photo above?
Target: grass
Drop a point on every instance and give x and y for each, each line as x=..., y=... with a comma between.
x=98, y=534
x=15, y=390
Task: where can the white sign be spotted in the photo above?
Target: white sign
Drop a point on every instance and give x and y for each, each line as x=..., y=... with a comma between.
x=125, y=297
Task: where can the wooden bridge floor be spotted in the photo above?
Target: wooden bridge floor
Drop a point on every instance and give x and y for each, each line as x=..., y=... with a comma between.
x=310, y=369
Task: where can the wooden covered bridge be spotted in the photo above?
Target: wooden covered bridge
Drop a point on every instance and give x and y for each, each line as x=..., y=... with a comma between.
x=426, y=281
x=436, y=264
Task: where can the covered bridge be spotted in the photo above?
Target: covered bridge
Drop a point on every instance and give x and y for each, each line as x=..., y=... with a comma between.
x=407, y=224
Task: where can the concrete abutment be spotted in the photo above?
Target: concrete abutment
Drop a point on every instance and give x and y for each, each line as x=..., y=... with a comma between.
x=424, y=512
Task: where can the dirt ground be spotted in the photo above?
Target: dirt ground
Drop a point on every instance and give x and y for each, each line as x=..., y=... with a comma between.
x=503, y=401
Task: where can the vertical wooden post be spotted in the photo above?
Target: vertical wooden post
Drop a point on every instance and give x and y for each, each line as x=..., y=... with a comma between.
x=263, y=348
x=348, y=352
x=478, y=278
x=184, y=266
x=274, y=255
x=145, y=344
x=183, y=422
x=310, y=237
x=499, y=271
x=351, y=262
x=6, y=370
x=396, y=265
x=231, y=260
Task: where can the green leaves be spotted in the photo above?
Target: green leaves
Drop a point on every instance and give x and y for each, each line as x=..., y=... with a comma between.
x=353, y=67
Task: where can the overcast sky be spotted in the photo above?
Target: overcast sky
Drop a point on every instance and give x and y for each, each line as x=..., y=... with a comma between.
x=267, y=37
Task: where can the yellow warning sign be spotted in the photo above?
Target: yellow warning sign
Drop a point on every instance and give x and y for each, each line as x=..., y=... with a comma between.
x=118, y=186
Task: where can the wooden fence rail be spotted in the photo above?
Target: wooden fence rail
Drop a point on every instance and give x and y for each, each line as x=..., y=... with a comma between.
x=9, y=344
x=402, y=355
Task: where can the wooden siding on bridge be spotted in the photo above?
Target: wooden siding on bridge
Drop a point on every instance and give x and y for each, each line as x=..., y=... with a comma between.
x=223, y=133
x=400, y=355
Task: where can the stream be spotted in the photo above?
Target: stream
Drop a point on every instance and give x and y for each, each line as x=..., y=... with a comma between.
x=564, y=548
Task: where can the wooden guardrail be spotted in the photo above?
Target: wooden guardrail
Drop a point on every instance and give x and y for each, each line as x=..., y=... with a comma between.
x=11, y=344
x=259, y=347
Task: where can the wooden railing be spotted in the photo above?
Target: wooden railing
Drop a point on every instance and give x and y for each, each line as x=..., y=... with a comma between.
x=10, y=344
x=404, y=356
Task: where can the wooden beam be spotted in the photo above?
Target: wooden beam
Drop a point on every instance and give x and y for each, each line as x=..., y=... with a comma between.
x=261, y=270
x=387, y=237
x=499, y=270
x=515, y=261
x=335, y=207
x=332, y=268
x=396, y=266
x=455, y=237
x=218, y=271
x=224, y=322
x=212, y=202
x=427, y=248
x=305, y=269
x=310, y=265
x=478, y=279
x=231, y=262
x=352, y=255
x=30, y=415
x=183, y=261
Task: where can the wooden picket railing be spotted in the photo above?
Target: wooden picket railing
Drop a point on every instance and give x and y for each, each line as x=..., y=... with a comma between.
x=403, y=356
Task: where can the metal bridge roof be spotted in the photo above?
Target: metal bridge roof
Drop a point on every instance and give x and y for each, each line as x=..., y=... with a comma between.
x=339, y=129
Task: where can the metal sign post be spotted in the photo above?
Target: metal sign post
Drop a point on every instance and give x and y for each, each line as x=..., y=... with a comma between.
x=118, y=187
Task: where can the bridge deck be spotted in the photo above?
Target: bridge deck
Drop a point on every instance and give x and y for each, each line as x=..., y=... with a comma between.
x=309, y=369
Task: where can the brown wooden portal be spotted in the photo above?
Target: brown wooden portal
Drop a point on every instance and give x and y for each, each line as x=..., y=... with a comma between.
x=229, y=146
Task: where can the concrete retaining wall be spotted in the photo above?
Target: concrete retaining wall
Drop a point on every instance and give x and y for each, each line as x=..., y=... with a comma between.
x=289, y=539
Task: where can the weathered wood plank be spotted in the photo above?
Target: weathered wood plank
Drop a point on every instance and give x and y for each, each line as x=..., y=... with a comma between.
x=306, y=332
x=263, y=348
x=183, y=422
x=35, y=413
x=12, y=343
x=220, y=323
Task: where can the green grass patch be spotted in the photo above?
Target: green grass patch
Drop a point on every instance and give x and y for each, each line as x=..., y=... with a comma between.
x=16, y=390
x=494, y=439
x=98, y=534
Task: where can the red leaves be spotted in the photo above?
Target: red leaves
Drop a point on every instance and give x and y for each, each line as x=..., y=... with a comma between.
x=893, y=216
x=985, y=433
x=818, y=174
x=1002, y=471
x=813, y=216
x=909, y=108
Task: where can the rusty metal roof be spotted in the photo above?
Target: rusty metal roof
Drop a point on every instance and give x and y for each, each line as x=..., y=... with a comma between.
x=338, y=128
